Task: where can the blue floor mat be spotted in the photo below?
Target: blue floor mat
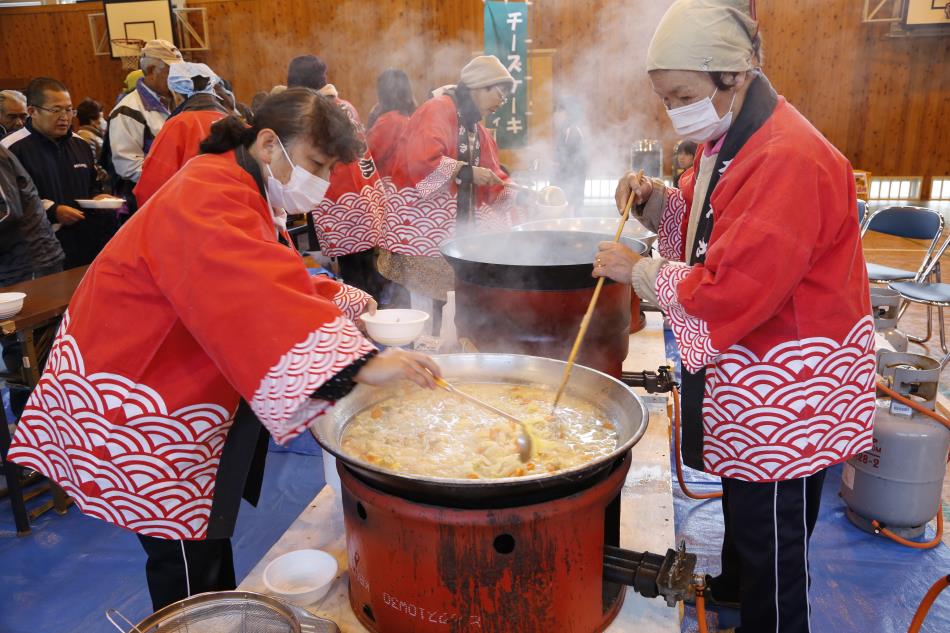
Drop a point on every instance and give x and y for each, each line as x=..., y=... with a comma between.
x=72, y=568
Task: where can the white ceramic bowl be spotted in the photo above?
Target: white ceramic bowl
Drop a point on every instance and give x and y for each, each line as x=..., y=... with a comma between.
x=11, y=303
x=301, y=577
x=102, y=203
x=395, y=327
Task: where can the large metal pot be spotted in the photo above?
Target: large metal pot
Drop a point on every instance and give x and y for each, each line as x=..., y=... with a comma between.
x=621, y=406
x=549, y=260
x=604, y=225
x=526, y=292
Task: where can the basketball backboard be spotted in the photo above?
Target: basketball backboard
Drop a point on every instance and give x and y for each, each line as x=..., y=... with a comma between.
x=137, y=20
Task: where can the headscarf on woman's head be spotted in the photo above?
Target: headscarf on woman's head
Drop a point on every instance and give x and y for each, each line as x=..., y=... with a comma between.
x=485, y=71
x=705, y=35
x=181, y=78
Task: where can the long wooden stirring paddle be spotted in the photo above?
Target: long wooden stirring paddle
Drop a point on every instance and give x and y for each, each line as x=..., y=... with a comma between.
x=585, y=322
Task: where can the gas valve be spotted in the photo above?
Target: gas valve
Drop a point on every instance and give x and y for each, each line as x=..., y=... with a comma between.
x=660, y=381
x=652, y=575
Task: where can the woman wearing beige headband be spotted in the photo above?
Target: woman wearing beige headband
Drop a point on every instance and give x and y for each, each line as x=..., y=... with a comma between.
x=763, y=280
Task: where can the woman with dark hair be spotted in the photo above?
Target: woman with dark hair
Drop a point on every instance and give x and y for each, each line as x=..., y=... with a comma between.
x=92, y=125
x=196, y=334
x=389, y=118
x=447, y=180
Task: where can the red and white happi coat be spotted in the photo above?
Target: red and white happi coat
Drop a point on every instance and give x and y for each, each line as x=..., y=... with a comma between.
x=350, y=218
x=383, y=140
x=192, y=306
x=779, y=312
x=423, y=197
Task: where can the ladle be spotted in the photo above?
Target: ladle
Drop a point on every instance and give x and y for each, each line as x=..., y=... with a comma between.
x=524, y=437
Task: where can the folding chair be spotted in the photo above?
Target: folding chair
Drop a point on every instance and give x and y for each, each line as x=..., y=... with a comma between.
x=916, y=223
x=933, y=295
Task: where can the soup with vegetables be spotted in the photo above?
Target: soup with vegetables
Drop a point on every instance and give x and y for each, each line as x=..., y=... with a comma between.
x=436, y=434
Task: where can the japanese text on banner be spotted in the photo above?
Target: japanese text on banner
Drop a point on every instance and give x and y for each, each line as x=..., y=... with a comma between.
x=506, y=32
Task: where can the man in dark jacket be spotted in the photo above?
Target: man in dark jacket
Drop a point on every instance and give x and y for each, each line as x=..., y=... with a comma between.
x=63, y=168
x=28, y=248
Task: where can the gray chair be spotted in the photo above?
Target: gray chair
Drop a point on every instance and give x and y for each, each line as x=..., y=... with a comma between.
x=931, y=294
x=916, y=223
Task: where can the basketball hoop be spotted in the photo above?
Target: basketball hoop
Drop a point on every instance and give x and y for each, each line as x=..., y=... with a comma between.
x=129, y=51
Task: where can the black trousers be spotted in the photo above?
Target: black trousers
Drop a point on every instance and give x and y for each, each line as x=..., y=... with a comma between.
x=178, y=569
x=765, y=551
x=359, y=270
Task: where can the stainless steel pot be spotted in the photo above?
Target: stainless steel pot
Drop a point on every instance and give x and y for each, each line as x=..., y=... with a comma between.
x=605, y=226
x=621, y=405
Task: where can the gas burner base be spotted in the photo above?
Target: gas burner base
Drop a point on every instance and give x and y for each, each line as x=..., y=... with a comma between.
x=416, y=568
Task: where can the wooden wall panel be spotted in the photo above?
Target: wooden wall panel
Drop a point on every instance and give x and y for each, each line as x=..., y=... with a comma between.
x=882, y=101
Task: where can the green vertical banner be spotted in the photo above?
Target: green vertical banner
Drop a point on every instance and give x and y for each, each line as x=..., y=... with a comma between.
x=506, y=32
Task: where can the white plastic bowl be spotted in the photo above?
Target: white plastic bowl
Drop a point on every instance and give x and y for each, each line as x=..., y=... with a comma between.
x=301, y=577
x=11, y=303
x=395, y=327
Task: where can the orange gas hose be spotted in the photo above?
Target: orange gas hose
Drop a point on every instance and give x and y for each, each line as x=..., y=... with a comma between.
x=701, y=608
x=678, y=459
x=926, y=603
x=938, y=537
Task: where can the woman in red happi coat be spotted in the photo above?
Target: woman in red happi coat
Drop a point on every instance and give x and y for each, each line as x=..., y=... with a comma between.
x=194, y=335
x=447, y=180
x=763, y=281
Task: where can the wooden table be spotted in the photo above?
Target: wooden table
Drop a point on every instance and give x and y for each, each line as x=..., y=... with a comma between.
x=46, y=300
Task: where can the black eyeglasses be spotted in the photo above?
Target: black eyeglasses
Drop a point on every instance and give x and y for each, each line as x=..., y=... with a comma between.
x=71, y=111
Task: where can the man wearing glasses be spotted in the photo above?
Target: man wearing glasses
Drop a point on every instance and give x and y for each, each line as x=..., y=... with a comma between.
x=63, y=168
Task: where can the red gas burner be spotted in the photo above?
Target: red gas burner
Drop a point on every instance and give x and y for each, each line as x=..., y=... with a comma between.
x=540, y=567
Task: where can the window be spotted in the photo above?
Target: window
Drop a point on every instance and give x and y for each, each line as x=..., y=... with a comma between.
x=896, y=188
x=940, y=189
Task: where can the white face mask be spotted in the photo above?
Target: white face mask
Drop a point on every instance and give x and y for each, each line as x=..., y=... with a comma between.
x=699, y=122
x=303, y=191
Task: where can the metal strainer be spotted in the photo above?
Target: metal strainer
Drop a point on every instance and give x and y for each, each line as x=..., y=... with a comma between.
x=226, y=612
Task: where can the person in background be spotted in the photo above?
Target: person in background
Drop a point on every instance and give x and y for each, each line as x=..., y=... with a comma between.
x=92, y=129
x=137, y=119
x=389, y=118
x=446, y=178
x=28, y=247
x=683, y=155
x=570, y=152
x=258, y=100
x=348, y=220
x=151, y=343
x=189, y=124
x=64, y=170
x=12, y=111
x=765, y=286
x=92, y=125
x=128, y=84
